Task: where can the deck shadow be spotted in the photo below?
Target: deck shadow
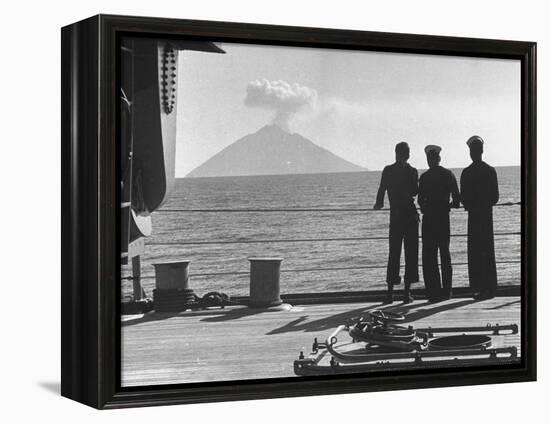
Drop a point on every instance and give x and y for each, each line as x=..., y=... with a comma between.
x=160, y=316
x=430, y=309
x=322, y=324
x=505, y=305
x=333, y=321
x=232, y=314
x=435, y=309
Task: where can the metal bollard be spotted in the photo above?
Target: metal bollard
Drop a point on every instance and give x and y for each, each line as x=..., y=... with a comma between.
x=172, y=275
x=172, y=292
x=264, y=282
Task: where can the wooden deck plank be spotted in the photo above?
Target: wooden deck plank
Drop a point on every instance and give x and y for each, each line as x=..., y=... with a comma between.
x=240, y=343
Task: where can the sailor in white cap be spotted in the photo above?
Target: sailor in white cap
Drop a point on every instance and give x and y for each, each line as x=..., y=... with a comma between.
x=436, y=187
x=475, y=140
x=432, y=149
x=479, y=193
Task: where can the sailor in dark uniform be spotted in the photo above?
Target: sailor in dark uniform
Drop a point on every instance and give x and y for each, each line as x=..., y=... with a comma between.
x=436, y=187
x=400, y=180
x=479, y=192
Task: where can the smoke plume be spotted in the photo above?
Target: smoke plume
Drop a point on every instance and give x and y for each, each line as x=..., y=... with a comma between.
x=284, y=99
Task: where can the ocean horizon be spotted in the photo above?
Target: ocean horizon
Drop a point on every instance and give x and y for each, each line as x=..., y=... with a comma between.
x=420, y=171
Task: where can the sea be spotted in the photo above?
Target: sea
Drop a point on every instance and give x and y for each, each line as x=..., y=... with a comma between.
x=204, y=218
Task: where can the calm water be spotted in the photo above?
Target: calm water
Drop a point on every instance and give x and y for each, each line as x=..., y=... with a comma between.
x=348, y=190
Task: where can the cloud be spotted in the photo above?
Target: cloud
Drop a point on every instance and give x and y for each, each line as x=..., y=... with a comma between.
x=284, y=99
x=341, y=108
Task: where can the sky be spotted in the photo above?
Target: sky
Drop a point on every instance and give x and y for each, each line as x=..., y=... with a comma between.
x=356, y=104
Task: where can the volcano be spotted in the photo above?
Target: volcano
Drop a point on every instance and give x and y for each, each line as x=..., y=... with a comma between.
x=273, y=151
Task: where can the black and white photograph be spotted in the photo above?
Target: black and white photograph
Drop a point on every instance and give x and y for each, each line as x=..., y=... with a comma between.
x=254, y=213
x=289, y=212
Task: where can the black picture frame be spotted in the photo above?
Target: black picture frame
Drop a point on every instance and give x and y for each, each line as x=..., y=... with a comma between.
x=90, y=247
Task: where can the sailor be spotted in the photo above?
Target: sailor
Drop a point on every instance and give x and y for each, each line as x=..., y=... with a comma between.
x=400, y=180
x=436, y=187
x=479, y=192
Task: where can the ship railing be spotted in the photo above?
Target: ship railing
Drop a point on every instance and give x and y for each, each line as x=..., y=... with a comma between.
x=276, y=210
x=299, y=240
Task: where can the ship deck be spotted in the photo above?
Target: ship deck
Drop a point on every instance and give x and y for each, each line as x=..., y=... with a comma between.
x=237, y=343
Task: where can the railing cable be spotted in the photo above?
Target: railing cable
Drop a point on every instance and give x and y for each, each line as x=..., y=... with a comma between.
x=327, y=269
x=273, y=210
x=304, y=240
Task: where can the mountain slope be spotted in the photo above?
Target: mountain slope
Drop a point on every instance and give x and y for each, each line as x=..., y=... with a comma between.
x=273, y=151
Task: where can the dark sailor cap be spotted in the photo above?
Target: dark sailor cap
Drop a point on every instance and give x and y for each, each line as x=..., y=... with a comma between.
x=474, y=140
x=432, y=149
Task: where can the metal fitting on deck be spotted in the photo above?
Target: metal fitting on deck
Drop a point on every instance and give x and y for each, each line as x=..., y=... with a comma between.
x=265, y=282
x=172, y=292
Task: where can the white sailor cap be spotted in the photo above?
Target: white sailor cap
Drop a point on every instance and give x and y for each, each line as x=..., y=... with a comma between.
x=432, y=149
x=475, y=139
